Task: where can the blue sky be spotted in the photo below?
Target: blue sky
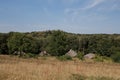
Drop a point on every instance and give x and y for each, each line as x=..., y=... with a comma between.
x=76, y=16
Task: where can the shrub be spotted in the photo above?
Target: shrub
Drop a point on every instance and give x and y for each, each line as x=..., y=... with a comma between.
x=116, y=57
x=101, y=78
x=77, y=77
x=29, y=55
x=64, y=58
x=98, y=58
x=80, y=55
x=82, y=77
x=102, y=59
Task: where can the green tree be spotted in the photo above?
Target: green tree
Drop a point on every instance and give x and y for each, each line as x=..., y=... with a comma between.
x=116, y=57
x=22, y=43
x=15, y=42
x=30, y=45
x=72, y=42
x=83, y=44
x=3, y=43
x=57, y=43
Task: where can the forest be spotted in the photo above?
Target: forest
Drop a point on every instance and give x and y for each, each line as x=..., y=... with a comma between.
x=58, y=43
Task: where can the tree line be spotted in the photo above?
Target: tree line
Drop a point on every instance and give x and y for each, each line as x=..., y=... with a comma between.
x=57, y=43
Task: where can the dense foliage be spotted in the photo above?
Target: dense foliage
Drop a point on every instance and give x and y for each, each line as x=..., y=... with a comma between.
x=57, y=43
x=3, y=43
x=21, y=43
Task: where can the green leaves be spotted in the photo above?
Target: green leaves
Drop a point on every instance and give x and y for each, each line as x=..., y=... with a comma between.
x=15, y=42
x=116, y=57
x=21, y=42
x=3, y=43
x=57, y=43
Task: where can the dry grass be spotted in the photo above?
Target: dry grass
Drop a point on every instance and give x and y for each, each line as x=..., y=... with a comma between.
x=13, y=68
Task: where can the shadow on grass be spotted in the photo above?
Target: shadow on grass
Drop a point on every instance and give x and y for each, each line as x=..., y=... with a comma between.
x=81, y=77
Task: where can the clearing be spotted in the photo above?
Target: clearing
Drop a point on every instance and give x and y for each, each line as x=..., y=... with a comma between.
x=49, y=68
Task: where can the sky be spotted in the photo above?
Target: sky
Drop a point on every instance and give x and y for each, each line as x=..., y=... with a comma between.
x=76, y=16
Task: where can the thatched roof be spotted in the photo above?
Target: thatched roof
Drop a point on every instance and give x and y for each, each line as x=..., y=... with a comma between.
x=71, y=53
x=43, y=53
x=89, y=56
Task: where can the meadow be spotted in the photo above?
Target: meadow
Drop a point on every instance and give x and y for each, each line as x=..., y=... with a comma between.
x=50, y=68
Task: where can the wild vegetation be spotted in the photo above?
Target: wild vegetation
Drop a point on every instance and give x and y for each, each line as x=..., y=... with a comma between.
x=58, y=42
x=50, y=68
x=19, y=59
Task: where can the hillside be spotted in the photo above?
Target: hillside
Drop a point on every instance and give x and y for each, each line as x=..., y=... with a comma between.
x=58, y=43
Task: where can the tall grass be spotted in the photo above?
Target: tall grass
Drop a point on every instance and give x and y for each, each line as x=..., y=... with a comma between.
x=14, y=68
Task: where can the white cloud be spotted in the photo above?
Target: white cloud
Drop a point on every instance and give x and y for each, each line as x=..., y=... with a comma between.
x=93, y=4
x=90, y=5
x=110, y=5
x=96, y=5
x=77, y=15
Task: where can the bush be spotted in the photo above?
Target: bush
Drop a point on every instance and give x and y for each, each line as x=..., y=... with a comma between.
x=80, y=55
x=116, y=57
x=77, y=77
x=64, y=58
x=102, y=59
x=102, y=78
x=98, y=58
x=82, y=77
x=29, y=55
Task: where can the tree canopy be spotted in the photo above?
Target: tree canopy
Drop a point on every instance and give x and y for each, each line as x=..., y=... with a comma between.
x=58, y=42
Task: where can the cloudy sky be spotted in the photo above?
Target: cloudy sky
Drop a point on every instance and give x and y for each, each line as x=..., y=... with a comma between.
x=76, y=16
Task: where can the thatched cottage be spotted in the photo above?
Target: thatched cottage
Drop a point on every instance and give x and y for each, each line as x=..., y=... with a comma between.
x=71, y=53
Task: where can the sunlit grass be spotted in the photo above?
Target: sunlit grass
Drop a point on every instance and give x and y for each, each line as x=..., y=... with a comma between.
x=49, y=68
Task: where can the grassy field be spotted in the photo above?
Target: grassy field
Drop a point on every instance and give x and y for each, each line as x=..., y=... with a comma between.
x=14, y=68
